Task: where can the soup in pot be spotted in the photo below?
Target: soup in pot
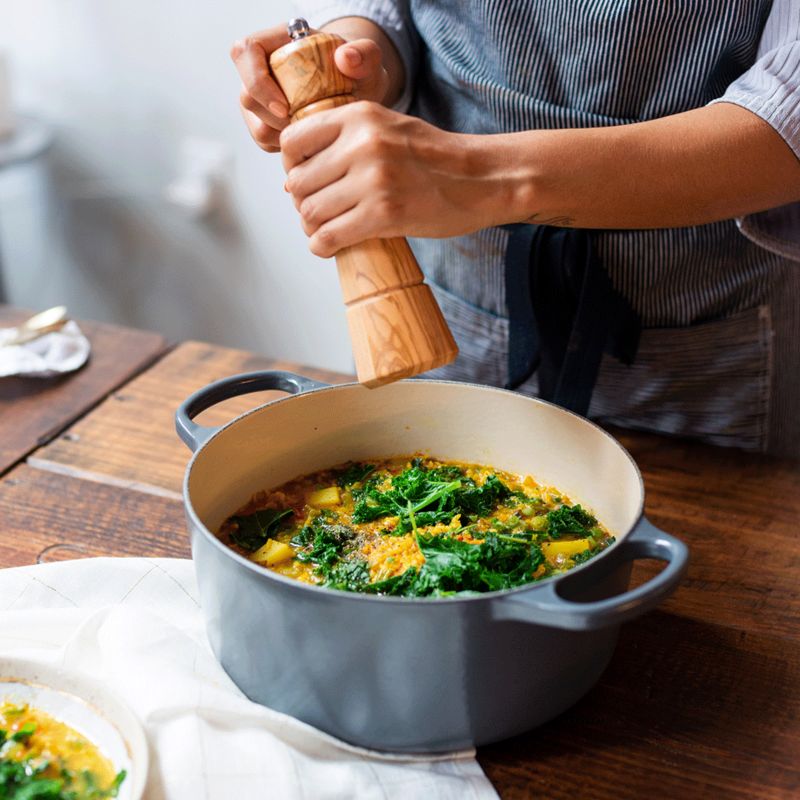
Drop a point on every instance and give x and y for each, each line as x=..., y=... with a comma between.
x=415, y=527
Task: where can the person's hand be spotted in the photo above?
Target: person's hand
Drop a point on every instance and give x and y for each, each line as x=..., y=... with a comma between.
x=264, y=105
x=362, y=171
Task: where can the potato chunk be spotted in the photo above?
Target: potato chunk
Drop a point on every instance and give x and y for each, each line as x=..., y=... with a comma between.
x=325, y=498
x=552, y=550
x=272, y=553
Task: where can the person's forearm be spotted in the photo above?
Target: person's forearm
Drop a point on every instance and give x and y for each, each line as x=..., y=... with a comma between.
x=701, y=166
x=362, y=171
x=351, y=28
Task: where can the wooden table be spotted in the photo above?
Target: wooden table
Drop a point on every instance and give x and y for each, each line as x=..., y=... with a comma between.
x=702, y=698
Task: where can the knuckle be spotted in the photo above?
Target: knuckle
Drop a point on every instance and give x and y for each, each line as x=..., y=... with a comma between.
x=266, y=145
x=286, y=141
x=365, y=147
x=373, y=145
x=264, y=135
x=387, y=208
x=293, y=184
x=326, y=240
x=246, y=100
x=308, y=210
x=367, y=110
x=320, y=251
x=366, y=118
x=251, y=84
x=381, y=177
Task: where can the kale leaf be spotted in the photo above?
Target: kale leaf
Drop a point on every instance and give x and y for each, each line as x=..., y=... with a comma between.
x=354, y=473
x=24, y=733
x=324, y=544
x=480, y=500
x=20, y=780
x=569, y=520
x=591, y=552
x=580, y=558
x=16, y=783
x=349, y=575
x=430, y=496
x=399, y=585
x=253, y=530
x=496, y=563
x=24, y=780
x=119, y=778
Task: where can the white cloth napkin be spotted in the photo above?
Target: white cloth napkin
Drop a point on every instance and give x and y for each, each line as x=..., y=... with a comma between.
x=136, y=625
x=52, y=354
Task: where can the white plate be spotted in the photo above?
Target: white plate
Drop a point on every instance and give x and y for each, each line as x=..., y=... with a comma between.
x=87, y=706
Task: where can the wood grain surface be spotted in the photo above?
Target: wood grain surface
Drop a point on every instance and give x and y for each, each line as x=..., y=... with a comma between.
x=325, y=104
x=399, y=334
x=375, y=267
x=702, y=697
x=740, y=515
x=130, y=439
x=306, y=72
x=48, y=517
x=686, y=710
x=34, y=410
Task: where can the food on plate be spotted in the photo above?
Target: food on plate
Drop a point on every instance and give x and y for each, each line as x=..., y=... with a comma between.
x=45, y=759
x=415, y=527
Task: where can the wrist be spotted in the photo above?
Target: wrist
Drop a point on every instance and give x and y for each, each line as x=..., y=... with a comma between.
x=509, y=179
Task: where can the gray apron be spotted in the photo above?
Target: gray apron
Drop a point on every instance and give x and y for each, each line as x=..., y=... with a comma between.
x=720, y=316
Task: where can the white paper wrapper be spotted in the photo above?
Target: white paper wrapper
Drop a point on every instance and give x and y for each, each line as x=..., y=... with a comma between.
x=136, y=625
x=54, y=353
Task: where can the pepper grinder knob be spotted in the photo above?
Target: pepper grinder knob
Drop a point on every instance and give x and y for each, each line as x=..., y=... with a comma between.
x=397, y=329
x=298, y=28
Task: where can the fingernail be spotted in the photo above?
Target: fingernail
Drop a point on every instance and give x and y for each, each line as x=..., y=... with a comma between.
x=353, y=57
x=286, y=187
x=279, y=109
x=237, y=49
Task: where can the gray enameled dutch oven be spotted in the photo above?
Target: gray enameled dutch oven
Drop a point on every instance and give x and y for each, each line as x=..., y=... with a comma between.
x=403, y=674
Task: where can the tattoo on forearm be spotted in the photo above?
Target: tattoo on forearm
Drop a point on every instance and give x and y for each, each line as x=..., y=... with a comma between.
x=558, y=222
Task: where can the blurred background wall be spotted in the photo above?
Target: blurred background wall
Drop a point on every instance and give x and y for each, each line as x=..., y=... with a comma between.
x=141, y=95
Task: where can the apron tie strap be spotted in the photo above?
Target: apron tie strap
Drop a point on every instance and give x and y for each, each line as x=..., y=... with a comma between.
x=564, y=313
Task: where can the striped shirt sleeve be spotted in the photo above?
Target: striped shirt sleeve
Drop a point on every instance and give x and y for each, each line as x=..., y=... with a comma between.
x=392, y=16
x=771, y=89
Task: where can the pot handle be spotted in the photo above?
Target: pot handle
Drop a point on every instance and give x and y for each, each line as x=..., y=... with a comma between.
x=545, y=606
x=195, y=435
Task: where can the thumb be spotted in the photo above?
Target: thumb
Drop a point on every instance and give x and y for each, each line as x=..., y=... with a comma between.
x=359, y=59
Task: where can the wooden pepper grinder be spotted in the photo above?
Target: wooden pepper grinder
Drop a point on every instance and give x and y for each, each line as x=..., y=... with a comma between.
x=396, y=326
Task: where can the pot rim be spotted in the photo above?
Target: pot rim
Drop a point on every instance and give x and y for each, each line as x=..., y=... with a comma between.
x=300, y=586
